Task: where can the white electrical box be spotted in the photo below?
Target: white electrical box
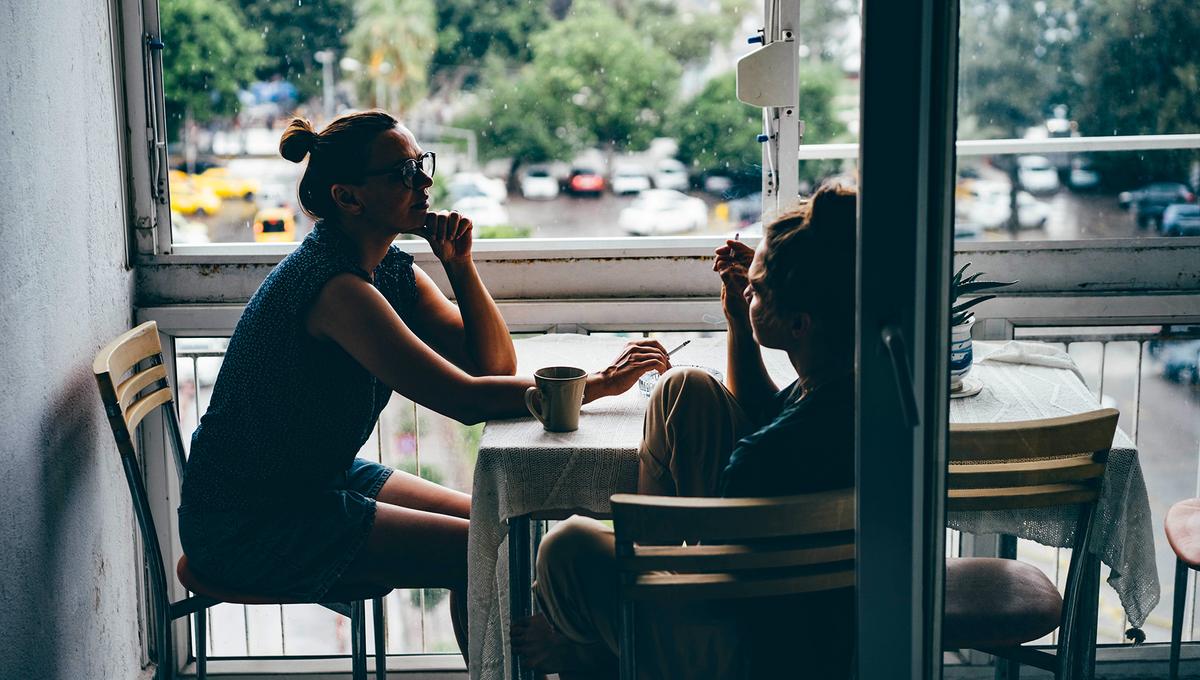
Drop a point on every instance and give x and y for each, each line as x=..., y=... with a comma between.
x=768, y=76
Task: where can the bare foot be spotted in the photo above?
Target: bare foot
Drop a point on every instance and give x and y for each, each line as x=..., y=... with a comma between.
x=546, y=650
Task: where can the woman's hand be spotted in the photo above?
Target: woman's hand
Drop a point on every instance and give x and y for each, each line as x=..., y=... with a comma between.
x=638, y=358
x=450, y=235
x=732, y=262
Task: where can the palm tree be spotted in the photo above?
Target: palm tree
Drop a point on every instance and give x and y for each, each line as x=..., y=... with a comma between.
x=395, y=41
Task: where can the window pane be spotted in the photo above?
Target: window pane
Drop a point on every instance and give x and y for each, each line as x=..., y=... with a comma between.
x=1056, y=70
x=541, y=130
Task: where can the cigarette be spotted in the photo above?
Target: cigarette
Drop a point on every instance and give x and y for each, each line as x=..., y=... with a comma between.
x=685, y=343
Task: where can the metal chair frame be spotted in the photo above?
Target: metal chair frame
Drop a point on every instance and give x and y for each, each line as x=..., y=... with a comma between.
x=127, y=401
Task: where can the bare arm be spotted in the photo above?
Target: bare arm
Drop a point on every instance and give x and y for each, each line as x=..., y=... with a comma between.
x=748, y=378
x=472, y=333
x=355, y=315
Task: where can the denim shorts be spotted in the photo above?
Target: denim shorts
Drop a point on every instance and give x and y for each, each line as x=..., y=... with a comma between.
x=298, y=548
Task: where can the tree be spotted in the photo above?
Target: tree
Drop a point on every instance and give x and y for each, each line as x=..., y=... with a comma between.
x=717, y=134
x=686, y=34
x=294, y=32
x=470, y=32
x=211, y=55
x=1140, y=74
x=394, y=41
x=577, y=91
x=614, y=82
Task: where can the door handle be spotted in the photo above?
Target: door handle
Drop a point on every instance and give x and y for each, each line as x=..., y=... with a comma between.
x=893, y=342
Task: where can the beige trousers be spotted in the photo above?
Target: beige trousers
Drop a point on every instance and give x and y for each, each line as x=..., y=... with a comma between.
x=692, y=424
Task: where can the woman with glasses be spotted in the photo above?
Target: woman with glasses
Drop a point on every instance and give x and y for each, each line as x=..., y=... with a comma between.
x=274, y=498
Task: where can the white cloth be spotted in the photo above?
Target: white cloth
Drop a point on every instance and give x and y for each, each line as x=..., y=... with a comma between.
x=521, y=468
x=1024, y=381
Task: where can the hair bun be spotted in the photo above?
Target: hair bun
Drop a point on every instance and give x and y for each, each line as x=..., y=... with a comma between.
x=298, y=140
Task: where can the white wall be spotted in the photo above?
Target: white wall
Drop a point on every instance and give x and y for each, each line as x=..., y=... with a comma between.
x=68, y=598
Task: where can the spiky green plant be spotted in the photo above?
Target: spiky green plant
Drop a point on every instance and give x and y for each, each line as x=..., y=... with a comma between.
x=960, y=312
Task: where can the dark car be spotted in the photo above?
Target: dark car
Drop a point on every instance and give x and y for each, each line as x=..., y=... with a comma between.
x=1181, y=361
x=1181, y=219
x=1149, y=202
x=584, y=182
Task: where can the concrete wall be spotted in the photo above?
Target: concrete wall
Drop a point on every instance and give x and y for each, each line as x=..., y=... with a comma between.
x=68, y=563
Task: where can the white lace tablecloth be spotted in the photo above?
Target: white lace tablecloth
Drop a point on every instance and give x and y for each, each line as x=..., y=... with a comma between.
x=1023, y=381
x=522, y=468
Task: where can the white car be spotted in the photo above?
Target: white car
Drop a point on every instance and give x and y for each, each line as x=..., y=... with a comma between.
x=627, y=179
x=991, y=210
x=467, y=184
x=539, y=183
x=670, y=174
x=1037, y=175
x=483, y=211
x=663, y=211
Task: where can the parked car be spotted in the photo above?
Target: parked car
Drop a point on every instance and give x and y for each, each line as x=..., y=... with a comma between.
x=188, y=199
x=226, y=185
x=670, y=174
x=538, y=183
x=1037, y=175
x=484, y=211
x=746, y=210
x=719, y=185
x=629, y=179
x=1181, y=219
x=466, y=184
x=1083, y=177
x=584, y=181
x=989, y=207
x=663, y=211
x=184, y=230
x=274, y=225
x=1149, y=202
x=1181, y=361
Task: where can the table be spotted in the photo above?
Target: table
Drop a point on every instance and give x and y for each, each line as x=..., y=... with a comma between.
x=523, y=471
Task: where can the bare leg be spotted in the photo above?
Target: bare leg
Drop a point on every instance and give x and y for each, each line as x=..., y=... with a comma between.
x=410, y=491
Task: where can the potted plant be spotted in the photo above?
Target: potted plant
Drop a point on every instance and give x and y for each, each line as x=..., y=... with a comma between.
x=962, y=319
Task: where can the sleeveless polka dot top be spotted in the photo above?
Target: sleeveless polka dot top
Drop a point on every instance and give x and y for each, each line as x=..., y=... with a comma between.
x=288, y=413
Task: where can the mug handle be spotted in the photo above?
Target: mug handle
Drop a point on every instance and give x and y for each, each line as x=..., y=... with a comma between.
x=531, y=395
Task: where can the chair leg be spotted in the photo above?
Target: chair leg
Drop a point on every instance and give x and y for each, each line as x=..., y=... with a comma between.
x=380, y=640
x=358, y=640
x=202, y=643
x=1181, y=582
x=628, y=659
x=1007, y=669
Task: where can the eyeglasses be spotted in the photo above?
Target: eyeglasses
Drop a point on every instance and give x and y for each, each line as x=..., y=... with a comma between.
x=406, y=171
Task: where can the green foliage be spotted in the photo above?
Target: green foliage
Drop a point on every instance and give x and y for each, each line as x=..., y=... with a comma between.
x=592, y=80
x=394, y=40
x=718, y=134
x=293, y=33
x=960, y=311
x=209, y=57
x=1140, y=74
x=503, y=231
x=468, y=31
x=687, y=35
x=428, y=472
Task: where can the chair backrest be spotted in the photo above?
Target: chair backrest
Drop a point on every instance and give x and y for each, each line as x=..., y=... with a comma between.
x=736, y=547
x=133, y=383
x=1029, y=463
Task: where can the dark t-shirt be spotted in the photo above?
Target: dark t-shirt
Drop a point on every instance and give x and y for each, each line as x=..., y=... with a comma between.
x=807, y=446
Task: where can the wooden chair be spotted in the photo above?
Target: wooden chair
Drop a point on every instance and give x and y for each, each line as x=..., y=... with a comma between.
x=737, y=548
x=1183, y=533
x=133, y=383
x=996, y=605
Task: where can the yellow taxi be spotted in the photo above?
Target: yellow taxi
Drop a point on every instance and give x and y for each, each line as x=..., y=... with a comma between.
x=226, y=185
x=274, y=225
x=188, y=199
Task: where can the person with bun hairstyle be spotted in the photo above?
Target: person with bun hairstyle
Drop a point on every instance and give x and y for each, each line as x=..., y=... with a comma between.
x=744, y=437
x=274, y=499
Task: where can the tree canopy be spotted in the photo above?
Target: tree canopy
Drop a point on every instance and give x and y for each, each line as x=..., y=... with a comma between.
x=394, y=40
x=294, y=32
x=211, y=55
